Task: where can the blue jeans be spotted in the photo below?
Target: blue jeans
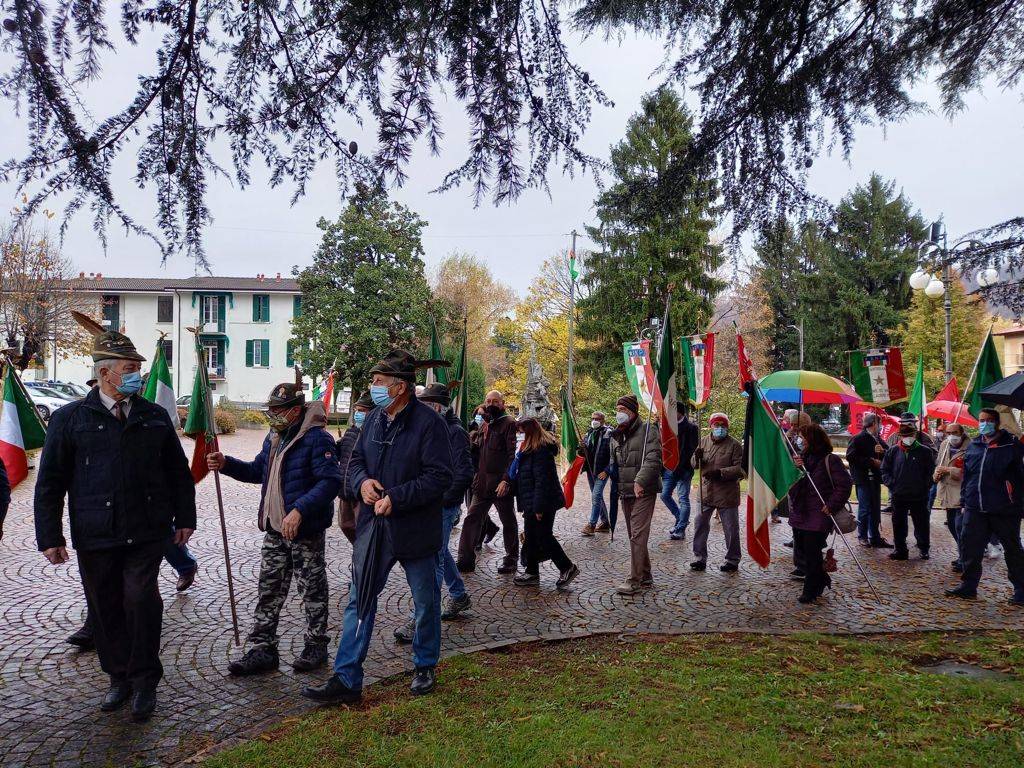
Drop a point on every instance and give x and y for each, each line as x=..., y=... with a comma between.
x=447, y=573
x=681, y=512
x=598, y=509
x=180, y=559
x=421, y=573
x=869, y=511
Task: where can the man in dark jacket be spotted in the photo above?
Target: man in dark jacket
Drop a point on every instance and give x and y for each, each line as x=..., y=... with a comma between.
x=864, y=455
x=907, y=470
x=438, y=397
x=117, y=459
x=597, y=453
x=298, y=469
x=681, y=477
x=348, y=498
x=992, y=497
x=402, y=466
x=492, y=486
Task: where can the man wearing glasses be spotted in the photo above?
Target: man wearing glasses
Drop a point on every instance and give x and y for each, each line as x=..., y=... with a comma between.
x=401, y=465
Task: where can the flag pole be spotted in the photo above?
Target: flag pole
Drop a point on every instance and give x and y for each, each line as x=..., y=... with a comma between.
x=572, y=321
x=974, y=371
x=211, y=432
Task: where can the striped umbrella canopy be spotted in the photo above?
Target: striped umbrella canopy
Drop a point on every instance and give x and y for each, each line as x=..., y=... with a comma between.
x=804, y=387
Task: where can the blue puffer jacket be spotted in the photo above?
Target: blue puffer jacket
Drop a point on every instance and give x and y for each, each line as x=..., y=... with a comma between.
x=310, y=477
x=993, y=478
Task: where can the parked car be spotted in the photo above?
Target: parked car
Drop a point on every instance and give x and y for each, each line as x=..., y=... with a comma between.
x=46, y=400
x=69, y=392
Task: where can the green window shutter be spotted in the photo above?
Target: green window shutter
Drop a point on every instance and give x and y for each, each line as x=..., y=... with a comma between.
x=289, y=353
x=248, y=353
x=255, y=308
x=265, y=352
x=297, y=306
x=260, y=308
x=221, y=310
x=266, y=309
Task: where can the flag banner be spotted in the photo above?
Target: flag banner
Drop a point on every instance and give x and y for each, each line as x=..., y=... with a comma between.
x=699, y=360
x=639, y=370
x=888, y=424
x=574, y=271
x=159, y=388
x=877, y=375
x=949, y=392
x=436, y=375
x=328, y=394
x=666, y=397
x=770, y=473
x=569, y=481
x=570, y=437
x=197, y=421
x=918, y=404
x=460, y=402
x=21, y=429
x=987, y=372
x=745, y=364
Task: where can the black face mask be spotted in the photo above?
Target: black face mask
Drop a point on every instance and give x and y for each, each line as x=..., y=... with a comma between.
x=492, y=412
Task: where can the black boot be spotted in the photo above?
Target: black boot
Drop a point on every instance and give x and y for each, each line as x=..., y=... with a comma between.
x=313, y=656
x=116, y=696
x=82, y=639
x=332, y=692
x=262, y=658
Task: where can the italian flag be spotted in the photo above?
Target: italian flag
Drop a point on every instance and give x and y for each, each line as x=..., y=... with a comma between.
x=20, y=428
x=877, y=375
x=770, y=474
x=918, y=404
x=639, y=371
x=699, y=360
x=197, y=423
x=159, y=388
x=666, y=398
x=570, y=442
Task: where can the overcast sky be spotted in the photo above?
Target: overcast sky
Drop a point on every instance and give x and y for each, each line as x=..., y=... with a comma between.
x=968, y=168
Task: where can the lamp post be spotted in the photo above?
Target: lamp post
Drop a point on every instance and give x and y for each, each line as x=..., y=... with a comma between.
x=934, y=255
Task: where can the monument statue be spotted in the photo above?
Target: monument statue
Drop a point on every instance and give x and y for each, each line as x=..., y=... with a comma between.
x=535, y=403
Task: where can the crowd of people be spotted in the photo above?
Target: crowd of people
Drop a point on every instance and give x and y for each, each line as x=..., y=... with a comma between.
x=407, y=460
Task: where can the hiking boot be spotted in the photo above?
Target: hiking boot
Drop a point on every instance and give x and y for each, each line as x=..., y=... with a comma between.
x=455, y=607
x=566, y=578
x=262, y=658
x=698, y=565
x=405, y=633
x=526, y=580
x=603, y=527
x=423, y=681
x=588, y=530
x=627, y=588
x=312, y=656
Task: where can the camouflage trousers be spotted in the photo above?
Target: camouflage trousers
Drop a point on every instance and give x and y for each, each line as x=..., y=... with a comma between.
x=279, y=559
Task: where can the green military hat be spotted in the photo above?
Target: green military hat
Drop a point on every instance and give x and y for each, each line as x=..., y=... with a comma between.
x=402, y=365
x=286, y=395
x=107, y=345
x=365, y=401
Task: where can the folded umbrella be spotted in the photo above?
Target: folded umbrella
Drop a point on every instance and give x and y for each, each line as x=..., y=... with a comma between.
x=370, y=568
x=1008, y=391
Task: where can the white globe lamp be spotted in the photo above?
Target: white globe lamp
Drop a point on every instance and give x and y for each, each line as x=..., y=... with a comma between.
x=991, y=276
x=934, y=289
x=919, y=280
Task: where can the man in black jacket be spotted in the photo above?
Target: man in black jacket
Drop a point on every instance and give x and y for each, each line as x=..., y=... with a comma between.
x=438, y=397
x=681, y=477
x=402, y=467
x=117, y=459
x=907, y=470
x=864, y=455
x=597, y=453
x=349, y=497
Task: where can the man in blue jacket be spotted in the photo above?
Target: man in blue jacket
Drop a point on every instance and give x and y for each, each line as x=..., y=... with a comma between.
x=402, y=467
x=438, y=397
x=298, y=468
x=992, y=497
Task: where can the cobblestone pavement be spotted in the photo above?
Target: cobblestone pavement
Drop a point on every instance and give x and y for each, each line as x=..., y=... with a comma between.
x=51, y=692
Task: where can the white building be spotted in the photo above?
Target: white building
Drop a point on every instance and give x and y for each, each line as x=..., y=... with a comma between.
x=245, y=324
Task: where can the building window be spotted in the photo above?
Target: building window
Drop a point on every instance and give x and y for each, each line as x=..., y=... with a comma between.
x=260, y=308
x=112, y=312
x=289, y=353
x=296, y=306
x=257, y=353
x=211, y=310
x=164, y=309
x=168, y=347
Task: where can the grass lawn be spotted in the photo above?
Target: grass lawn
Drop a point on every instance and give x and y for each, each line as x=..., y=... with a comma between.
x=710, y=700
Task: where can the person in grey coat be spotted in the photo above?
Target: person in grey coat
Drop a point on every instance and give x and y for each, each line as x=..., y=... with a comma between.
x=719, y=458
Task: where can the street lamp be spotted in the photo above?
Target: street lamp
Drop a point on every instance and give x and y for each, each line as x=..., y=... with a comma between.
x=934, y=255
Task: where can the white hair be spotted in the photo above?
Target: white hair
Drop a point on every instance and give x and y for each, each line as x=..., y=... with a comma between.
x=100, y=364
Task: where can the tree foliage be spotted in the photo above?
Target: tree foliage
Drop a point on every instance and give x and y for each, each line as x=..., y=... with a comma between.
x=365, y=292
x=648, y=249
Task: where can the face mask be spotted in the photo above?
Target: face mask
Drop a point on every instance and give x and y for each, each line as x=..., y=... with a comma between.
x=595, y=424
x=987, y=428
x=719, y=432
x=131, y=383
x=909, y=440
x=800, y=443
x=358, y=418
x=520, y=437
x=494, y=411
x=379, y=395
x=479, y=419
x=279, y=422
x=621, y=417
x=954, y=440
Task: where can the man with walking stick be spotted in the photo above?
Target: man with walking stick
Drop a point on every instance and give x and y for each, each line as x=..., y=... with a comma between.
x=298, y=468
x=117, y=459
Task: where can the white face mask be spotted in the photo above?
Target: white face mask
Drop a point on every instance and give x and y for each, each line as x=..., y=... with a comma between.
x=800, y=443
x=909, y=440
x=621, y=417
x=595, y=424
x=955, y=440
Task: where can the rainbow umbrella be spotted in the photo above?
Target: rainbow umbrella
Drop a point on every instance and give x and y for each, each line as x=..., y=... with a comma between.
x=806, y=387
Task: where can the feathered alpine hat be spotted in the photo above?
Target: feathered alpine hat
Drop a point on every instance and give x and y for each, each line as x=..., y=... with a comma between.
x=107, y=345
x=402, y=365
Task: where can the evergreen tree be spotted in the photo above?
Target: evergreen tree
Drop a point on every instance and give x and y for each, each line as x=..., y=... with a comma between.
x=652, y=235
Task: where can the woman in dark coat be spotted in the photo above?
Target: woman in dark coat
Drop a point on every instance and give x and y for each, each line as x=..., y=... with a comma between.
x=810, y=518
x=539, y=496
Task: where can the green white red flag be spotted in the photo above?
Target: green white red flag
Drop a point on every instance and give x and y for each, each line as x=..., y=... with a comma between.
x=987, y=372
x=699, y=361
x=918, y=404
x=159, y=388
x=665, y=398
x=198, y=422
x=746, y=365
x=570, y=442
x=877, y=375
x=639, y=371
x=770, y=473
x=21, y=429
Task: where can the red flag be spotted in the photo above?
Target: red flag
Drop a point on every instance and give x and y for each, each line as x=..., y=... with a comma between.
x=746, y=365
x=199, y=468
x=329, y=392
x=889, y=423
x=569, y=481
x=949, y=392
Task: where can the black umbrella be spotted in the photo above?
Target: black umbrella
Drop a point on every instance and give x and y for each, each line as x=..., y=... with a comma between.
x=1008, y=391
x=370, y=567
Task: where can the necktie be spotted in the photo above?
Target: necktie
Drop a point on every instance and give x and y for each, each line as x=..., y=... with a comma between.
x=119, y=411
